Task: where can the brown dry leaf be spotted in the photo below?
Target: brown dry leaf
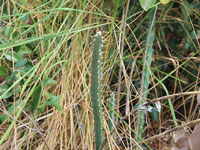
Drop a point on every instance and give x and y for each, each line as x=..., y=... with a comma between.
x=181, y=140
x=194, y=139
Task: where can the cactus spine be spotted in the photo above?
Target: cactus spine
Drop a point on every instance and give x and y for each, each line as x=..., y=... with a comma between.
x=96, y=89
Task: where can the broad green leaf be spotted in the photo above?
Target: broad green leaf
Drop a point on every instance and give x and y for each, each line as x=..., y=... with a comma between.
x=2, y=40
x=49, y=82
x=53, y=101
x=3, y=71
x=146, y=4
x=15, y=34
x=8, y=31
x=49, y=95
x=25, y=18
x=15, y=57
x=164, y=1
x=41, y=108
x=3, y=117
x=10, y=79
x=36, y=98
x=26, y=68
x=25, y=51
x=21, y=62
x=17, y=90
x=3, y=88
x=7, y=95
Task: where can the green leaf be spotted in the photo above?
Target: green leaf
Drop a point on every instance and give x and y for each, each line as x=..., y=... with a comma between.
x=3, y=71
x=25, y=18
x=17, y=90
x=10, y=79
x=15, y=34
x=26, y=68
x=2, y=41
x=15, y=57
x=11, y=110
x=49, y=82
x=164, y=1
x=25, y=51
x=7, y=95
x=3, y=88
x=21, y=62
x=36, y=98
x=53, y=101
x=146, y=4
x=41, y=108
x=49, y=95
x=3, y=117
x=8, y=31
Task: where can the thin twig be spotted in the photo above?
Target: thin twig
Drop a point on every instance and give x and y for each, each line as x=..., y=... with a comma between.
x=171, y=96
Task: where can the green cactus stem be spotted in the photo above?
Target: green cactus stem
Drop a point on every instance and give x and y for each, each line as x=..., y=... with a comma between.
x=96, y=89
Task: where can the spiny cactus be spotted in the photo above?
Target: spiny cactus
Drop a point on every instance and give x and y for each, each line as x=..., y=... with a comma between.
x=96, y=89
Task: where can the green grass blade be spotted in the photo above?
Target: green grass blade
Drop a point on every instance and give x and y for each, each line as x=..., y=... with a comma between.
x=146, y=68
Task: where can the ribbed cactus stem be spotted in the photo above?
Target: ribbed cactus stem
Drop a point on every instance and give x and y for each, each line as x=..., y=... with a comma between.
x=96, y=89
